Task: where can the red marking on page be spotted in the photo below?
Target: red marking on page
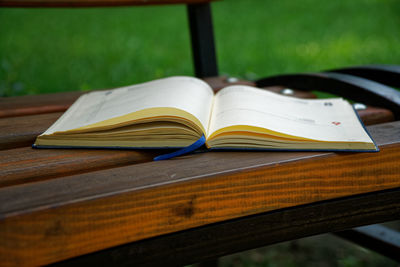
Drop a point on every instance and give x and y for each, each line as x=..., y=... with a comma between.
x=335, y=123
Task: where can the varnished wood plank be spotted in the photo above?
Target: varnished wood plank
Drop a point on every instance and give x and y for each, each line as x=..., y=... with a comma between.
x=375, y=115
x=26, y=165
x=36, y=104
x=66, y=217
x=22, y=131
x=90, y=3
x=220, y=239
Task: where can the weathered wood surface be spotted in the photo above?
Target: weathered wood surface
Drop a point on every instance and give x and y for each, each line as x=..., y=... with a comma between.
x=22, y=131
x=36, y=104
x=90, y=3
x=65, y=217
x=27, y=165
x=220, y=239
x=70, y=202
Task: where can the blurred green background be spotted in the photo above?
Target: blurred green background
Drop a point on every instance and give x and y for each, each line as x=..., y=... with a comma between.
x=48, y=50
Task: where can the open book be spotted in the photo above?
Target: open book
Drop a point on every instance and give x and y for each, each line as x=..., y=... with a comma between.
x=175, y=112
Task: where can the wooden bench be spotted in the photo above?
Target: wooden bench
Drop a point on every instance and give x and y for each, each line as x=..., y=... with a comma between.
x=119, y=207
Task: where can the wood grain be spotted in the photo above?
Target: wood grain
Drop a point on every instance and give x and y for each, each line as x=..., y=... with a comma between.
x=53, y=220
x=93, y=3
x=22, y=131
x=220, y=239
x=27, y=165
x=36, y=104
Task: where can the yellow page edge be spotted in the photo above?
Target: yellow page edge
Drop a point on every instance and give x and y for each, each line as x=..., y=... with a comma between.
x=254, y=130
x=149, y=114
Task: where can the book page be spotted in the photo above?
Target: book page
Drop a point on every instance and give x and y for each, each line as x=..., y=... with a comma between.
x=186, y=93
x=317, y=119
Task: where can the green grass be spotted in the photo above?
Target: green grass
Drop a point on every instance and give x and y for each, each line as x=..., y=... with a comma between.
x=49, y=50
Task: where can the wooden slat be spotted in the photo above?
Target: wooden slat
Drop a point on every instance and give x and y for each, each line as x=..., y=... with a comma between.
x=375, y=115
x=93, y=3
x=36, y=104
x=220, y=239
x=22, y=131
x=49, y=221
x=26, y=165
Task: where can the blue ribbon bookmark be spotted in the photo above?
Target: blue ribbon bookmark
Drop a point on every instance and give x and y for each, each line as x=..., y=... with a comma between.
x=183, y=151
